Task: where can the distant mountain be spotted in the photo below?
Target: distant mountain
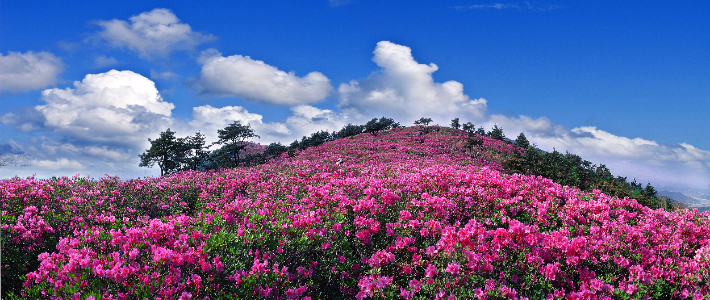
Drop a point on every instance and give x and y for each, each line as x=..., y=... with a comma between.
x=700, y=201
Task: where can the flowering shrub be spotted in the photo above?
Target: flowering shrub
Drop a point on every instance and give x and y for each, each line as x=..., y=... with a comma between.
x=402, y=214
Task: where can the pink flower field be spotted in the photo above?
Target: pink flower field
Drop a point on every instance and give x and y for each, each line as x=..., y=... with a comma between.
x=404, y=214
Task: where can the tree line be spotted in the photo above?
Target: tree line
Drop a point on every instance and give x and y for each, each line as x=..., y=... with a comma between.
x=174, y=154
x=569, y=169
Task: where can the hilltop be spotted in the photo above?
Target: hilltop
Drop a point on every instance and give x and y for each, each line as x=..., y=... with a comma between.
x=418, y=212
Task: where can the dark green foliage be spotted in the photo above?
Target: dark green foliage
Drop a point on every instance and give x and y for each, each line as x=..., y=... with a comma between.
x=571, y=170
x=217, y=159
x=349, y=130
x=167, y=151
x=195, y=152
x=232, y=136
x=469, y=127
x=374, y=126
x=481, y=131
x=423, y=121
x=455, y=123
x=275, y=150
x=521, y=141
x=496, y=133
x=318, y=138
x=650, y=191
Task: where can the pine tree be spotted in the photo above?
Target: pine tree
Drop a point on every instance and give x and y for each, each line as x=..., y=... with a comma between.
x=522, y=141
x=497, y=133
x=455, y=123
x=232, y=137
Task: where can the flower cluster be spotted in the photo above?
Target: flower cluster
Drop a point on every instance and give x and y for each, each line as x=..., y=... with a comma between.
x=402, y=214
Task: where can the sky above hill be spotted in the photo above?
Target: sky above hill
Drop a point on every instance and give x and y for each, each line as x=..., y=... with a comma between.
x=83, y=85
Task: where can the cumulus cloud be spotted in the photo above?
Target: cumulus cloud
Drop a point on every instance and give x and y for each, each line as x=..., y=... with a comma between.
x=98, y=126
x=101, y=124
x=109, y=107
x=154, y=33
x=405, y=90
x=208, y=119
x=22, y=72
x=255, y=80
x=304, y=120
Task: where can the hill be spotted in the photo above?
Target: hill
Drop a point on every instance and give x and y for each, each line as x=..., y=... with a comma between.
x=415, y=213
x=701, y=202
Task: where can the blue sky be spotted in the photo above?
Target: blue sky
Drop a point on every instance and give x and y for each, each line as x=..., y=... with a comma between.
x=617, y=82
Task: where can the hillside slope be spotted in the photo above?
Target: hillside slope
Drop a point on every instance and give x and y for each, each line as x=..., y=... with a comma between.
x=413, y=213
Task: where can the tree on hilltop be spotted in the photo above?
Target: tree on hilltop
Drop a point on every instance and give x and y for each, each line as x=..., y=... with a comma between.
x=522, y=141
x=167, y=151
x=496, y=133
x=469, y=127
x=349, y=130
x=195, y=153
x=423, y=121
x=232, y=137
x=455, y=123
x=375, y=125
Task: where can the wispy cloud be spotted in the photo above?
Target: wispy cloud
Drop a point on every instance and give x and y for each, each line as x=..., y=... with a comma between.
x=103, y=61
x=162, y=75
x=500, y=6
x=494, y=6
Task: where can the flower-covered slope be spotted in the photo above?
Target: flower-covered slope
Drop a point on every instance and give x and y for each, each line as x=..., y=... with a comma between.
x=411, y=213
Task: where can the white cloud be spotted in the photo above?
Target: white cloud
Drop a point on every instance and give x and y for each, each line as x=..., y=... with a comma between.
x=97, y=127
x=103, y=123
x=255, y=80
x=103, y=61
x=116, y=106
x=59, y=164
x=157, y=32
x=405, y=90
x=680, y=165
x=21, y=72
x=208, y=120
x=304, y=120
